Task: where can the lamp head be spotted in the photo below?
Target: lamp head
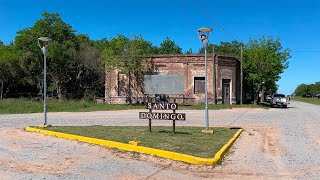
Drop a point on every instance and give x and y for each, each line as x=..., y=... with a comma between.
x=204, y=34
x=44, y=39
x=43, y=43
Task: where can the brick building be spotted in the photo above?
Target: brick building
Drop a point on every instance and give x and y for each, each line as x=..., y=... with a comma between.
x=223, y=88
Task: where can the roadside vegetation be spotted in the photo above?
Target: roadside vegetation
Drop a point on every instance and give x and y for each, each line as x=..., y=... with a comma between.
x=308, y=90
x=315, y=101
x=187, y=140
x=24, y=105
x=76, y=64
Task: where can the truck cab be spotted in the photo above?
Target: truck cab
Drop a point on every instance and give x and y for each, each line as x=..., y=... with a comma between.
x=279, y=100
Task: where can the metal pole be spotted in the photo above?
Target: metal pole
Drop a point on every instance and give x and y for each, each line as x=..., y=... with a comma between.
x=214, y=77
x=45, y=89
x=241, y=77
x=206, y=90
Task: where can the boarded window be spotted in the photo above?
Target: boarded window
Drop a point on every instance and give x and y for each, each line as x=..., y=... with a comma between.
x=122, y=85
x=199, y=85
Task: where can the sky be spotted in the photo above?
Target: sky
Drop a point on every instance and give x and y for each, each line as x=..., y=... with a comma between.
x=295, y=23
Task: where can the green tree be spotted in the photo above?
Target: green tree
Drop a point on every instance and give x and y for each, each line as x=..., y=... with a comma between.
x=225, y=48
x=307, y=89
x=128, y=56
x=264, y=60
x=89, y=76
x=168, y=46
x=9, y=68
x=61, y=54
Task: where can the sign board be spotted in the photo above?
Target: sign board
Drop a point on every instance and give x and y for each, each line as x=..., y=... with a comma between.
x=162, y=106
x=162, y=116
x=163, y=84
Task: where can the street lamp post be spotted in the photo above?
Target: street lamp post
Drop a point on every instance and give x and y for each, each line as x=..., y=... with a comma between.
x=204, y=35
x=43, y=44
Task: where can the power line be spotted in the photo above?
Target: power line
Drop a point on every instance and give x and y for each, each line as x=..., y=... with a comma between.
x=190, y=25
x=197, y=2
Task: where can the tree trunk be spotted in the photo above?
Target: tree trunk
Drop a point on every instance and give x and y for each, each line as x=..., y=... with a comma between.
x=129, y=89
x=1, y=90
x=262, y=95
x=59, y=90
x=256, y=96
x=256, y=99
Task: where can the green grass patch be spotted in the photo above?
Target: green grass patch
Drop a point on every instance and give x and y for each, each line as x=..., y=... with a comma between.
x=315, y=101
x=24, y=105
x=187, y=140
x=219, y=106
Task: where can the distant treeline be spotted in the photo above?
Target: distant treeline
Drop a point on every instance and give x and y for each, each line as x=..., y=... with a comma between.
x=308, y=90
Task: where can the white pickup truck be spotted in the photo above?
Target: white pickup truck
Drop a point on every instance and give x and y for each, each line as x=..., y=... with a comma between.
x=279, y=100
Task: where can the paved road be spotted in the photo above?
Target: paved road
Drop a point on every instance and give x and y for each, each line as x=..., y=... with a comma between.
x=276, y=144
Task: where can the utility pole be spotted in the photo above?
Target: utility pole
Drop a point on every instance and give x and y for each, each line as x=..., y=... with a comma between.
x=241, y=76
x=214, y=76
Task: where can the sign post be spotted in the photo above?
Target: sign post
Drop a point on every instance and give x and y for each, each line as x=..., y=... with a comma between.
x=163, y=84
x=162, y=116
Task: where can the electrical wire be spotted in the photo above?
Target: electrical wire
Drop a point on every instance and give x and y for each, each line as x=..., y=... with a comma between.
x=187, y=20
x=197, y=2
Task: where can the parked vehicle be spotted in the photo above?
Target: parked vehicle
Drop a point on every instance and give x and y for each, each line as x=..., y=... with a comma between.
x=279, y=100
x=268, y=98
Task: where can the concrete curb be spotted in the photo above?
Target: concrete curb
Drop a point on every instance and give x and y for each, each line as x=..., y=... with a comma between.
x=151, y=151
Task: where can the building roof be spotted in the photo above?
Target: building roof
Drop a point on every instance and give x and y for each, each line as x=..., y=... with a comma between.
x=187, y=55
x=190, y=57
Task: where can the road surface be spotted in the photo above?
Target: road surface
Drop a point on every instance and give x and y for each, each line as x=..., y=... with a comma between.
x=276, y=144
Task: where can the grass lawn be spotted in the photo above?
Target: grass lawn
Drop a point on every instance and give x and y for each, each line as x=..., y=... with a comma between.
x=187, y=140
x=307, y=100
x=23, y=105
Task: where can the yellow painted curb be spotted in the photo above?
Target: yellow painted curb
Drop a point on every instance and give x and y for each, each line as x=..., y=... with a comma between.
x=156, y=152
x=136, y=143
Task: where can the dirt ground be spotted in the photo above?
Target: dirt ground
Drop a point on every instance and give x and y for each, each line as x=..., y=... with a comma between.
x=254, y=138
x=275, y=144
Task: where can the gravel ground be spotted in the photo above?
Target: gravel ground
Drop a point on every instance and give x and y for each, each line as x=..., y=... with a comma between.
x=276, y=144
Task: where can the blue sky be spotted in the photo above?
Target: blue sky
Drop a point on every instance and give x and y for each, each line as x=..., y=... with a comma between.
x=296, y=23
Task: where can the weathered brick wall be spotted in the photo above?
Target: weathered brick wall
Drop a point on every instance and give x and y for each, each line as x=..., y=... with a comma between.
x=189, y=66
x=228, y=69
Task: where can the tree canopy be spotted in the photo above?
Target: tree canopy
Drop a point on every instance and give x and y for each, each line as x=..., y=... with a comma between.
x=168, y=46
x=308, y=89
x=264, y=59
x=9, y=68
x=76, y=64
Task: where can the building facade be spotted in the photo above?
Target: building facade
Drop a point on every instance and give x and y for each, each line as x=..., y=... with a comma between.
x=223, y=79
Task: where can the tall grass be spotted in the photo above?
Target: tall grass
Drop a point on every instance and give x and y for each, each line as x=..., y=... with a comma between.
x=24, y=105
x=315, y=101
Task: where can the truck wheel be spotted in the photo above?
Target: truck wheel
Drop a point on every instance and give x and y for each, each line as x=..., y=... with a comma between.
x=284, y=106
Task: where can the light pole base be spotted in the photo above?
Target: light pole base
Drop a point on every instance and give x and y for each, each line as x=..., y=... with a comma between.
x=44, y=126
x=207, y=131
